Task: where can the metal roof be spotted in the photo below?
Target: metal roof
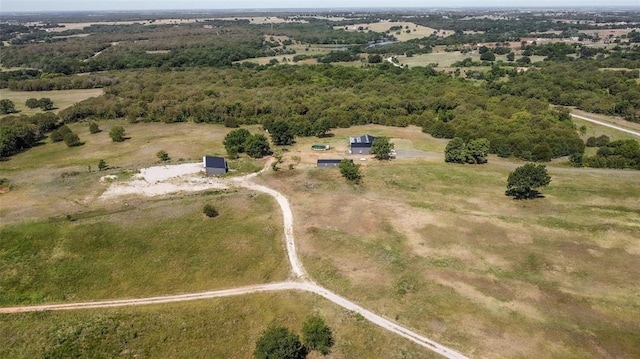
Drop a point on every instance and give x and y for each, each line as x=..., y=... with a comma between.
x=364, y=139
x=214, y=162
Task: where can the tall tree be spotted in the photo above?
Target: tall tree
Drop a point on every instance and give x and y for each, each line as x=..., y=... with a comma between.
x=257, y=146
x=234, y=141
x=525, y=180
x=117, y=134
x=316, y=335
x=281, y=133
x=278, y=342
x=350, y=171
x=381, y=148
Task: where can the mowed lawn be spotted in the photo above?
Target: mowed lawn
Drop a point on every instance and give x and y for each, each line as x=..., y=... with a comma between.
x=441, y=249
x=216, y=328
x=144, y=248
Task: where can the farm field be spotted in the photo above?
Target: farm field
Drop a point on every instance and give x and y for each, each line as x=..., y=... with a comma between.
x=440, y=248
x=416, y=31
x=219, y=328
x=61, y=99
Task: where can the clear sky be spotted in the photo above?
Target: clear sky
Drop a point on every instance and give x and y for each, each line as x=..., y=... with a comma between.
x=70, y=5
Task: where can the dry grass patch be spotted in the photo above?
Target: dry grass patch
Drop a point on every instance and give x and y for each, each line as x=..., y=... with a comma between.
x=415, y=31
x=459, y=261
x=61, y=98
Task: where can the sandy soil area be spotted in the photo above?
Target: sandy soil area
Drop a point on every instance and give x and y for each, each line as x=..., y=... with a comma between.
x=159, y=180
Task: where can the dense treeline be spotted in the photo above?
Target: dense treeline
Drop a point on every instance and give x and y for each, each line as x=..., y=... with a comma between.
x=579, y=84
x=60, y=83
x=616, y=154
x=18, y=133
x=442, y=105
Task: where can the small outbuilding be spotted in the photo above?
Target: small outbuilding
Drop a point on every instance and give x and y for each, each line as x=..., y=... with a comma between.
x=361, y=145
x=215, y=165
x=330, y=163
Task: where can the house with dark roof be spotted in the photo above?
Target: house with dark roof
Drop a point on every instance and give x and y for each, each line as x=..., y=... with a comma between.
x=361, y=145
x=215, y=165
x=330, y=163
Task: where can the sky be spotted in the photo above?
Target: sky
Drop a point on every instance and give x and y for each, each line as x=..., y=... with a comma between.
x=88, y=5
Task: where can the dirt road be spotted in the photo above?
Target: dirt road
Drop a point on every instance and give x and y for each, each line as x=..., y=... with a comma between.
x=635, y=133
x=301, y=281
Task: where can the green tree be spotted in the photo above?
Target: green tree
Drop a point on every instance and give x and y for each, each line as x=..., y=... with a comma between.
x=93, y=127
x=163, y=156
x=381, y=148
x=257, y=146
x=278, y=342
x=321, y=127
x=456, y=151
x=71, y=139
x=281, y=133
x=488, y=56
x=117, y=134
x=478, y=150
x=7, y=106
x=525, y=180
x=102, y=165
x=511, y=56
x=56, y=136
x=32, y=103
x=350, y=171
x=374, y=59
x=316, y=335
x=45, y=103
x=542, y=152
x=64, y=129
x=234, y=142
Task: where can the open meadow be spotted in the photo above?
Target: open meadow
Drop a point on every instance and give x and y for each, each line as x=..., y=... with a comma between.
x=61, y=99
x=440, y=248
x=216, y=328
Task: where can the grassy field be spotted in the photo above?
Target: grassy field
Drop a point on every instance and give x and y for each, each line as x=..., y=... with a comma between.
x=439, y=248
x=53, y=178
x=415, y=31
x=221, y=328
x=136, y=248
x=61, y=99
x=434, y=246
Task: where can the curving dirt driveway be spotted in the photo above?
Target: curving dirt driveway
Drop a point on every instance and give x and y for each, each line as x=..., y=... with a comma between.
x=301, y=282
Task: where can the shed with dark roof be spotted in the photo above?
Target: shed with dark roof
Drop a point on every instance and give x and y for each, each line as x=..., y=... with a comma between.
x=330, y=163
x=361, y=145
x=215, y=165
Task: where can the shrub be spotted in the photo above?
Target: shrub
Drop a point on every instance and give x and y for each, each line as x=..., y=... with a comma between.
x=117, y=134
x=93, y=127
x=210, y=211
x=71, y=139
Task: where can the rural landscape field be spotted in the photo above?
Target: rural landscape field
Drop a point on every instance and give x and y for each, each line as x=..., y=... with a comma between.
x=343, y=184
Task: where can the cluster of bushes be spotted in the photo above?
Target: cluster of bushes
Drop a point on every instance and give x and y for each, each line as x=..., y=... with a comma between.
x=7, y=106
x=65, y=134
x=279, y=342
x=242, y=141
x=44, y=103
x=616, y=154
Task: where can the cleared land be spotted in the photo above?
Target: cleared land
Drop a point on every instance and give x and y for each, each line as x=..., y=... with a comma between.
x=219, y=328
x=495, y=277
x=415, y=31
x=61, y=99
